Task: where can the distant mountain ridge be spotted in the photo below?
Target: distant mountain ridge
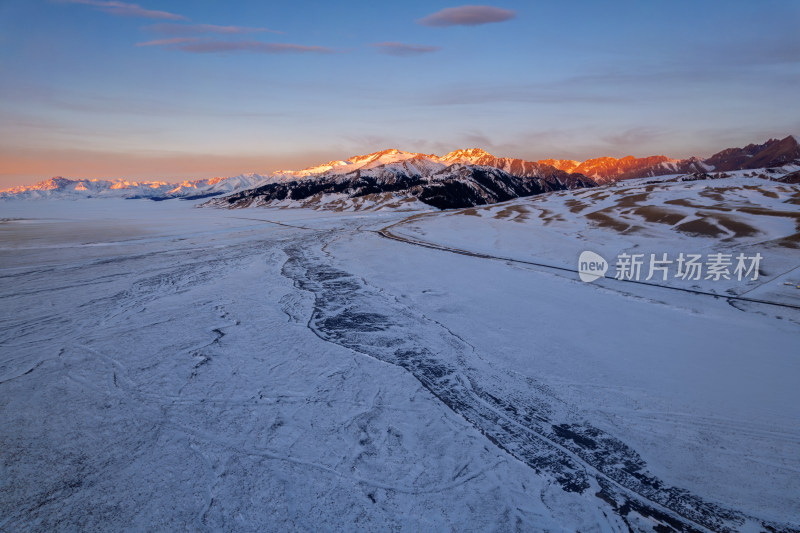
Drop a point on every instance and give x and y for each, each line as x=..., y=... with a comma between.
x=67, y=188
x=469, y=177
x=460, y=178
x=443, y=187
x=422, y=164
x=773, y=153
x=607, y=169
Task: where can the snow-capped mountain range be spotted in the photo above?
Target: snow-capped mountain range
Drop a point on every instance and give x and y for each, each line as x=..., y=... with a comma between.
x=418, y=164
x=66, y=188
x=459, y=179
x=452, y=180
x=772, y=153
x=470, y=177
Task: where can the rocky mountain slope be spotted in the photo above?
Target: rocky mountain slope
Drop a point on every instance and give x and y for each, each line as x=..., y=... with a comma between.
x=773, y=153
x=459, y=179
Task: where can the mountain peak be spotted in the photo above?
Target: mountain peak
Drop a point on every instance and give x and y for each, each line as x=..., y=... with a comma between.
x=470, y=154
x=376, y=155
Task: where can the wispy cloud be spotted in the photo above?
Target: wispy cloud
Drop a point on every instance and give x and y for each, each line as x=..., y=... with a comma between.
x=642, y=85
x=467, y=16
x=96, y=103
x=197, y=45
x=534, y=93
x=178, y=30
x=477, y=139
x=637, y=136
x=775, y=49
x=168, y=42
x=402, y=49
x=124, y=9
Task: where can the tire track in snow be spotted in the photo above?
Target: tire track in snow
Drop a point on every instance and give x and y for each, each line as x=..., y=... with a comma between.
x=527, y=422
x=388, y=234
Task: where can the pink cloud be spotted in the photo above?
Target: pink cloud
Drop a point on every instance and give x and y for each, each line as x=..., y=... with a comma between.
x=402, y=49
x=168, y=42
x=208, y=46
x=124, y=9
x=251, y=46
x=168, y=28
x=467, y=16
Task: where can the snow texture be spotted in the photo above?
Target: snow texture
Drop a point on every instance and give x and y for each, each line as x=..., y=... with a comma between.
x=164, y=367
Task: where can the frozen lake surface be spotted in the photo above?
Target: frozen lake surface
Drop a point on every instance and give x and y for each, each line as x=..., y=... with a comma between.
x=169, y=368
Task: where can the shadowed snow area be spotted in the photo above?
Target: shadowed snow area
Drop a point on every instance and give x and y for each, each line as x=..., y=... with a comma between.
x=164, y=367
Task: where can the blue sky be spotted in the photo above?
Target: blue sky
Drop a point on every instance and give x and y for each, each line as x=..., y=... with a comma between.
x=175, y=89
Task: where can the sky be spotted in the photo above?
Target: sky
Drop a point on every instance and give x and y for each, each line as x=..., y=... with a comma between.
x=179, y=89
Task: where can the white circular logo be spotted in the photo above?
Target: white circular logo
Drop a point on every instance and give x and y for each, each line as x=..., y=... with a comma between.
x=591, y=266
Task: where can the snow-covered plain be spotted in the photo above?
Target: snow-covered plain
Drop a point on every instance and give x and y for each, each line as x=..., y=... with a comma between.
x=164, y=367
